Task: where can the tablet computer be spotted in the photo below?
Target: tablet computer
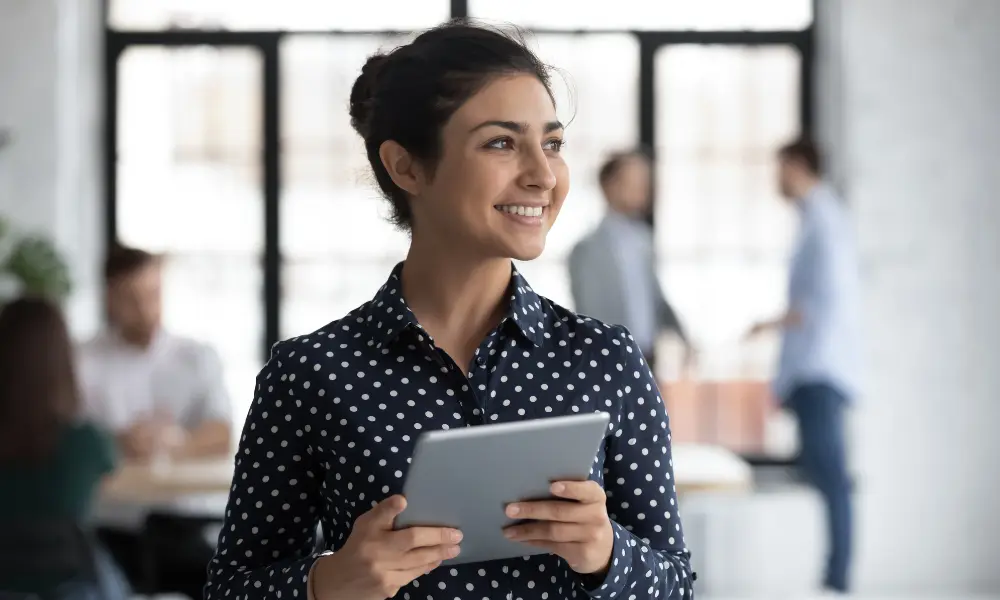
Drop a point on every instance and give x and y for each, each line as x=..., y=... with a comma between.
x=465, y=478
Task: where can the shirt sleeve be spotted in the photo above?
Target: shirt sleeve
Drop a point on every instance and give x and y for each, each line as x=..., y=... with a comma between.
x=824, y=280
x=581, y=278
x=649, y=559
x=98, y=447
x=267, y=543
x=93, y=396
x=216, y=405
x=668, y=319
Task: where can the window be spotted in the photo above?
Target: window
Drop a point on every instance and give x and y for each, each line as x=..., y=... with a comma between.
x=723, y=234
x=644, y=15
x=197, y=158
x=189, y=186
x=268, y=15
x=597, y=94
x=336, y=243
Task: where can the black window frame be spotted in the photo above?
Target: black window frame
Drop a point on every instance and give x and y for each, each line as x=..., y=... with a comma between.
x=268, y=43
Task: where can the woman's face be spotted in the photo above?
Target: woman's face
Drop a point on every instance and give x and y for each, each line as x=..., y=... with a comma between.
x=501, y=178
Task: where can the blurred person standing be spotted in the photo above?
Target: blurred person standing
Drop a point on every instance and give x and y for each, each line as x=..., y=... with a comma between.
x=612, y=270
x=51, y=463
x=819, y=364
x=161, y=395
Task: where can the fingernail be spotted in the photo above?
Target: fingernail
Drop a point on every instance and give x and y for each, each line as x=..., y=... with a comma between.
x=558, y=488
x=509, y=534
x=456, y=536
x=513, y=510
x=454, y=551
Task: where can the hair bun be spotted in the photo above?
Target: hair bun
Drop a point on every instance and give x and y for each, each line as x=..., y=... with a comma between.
x=363, y=93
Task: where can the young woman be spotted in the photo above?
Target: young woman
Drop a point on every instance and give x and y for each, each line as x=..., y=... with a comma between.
x=50, y=464
x=460, y=129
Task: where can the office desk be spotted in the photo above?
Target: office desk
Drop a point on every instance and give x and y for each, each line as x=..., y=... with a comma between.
x=201, y=487
x=697, y=467
x=707, y=468
x=142, y=483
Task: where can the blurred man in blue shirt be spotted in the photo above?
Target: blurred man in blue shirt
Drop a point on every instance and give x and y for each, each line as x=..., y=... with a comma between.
x=818, y=370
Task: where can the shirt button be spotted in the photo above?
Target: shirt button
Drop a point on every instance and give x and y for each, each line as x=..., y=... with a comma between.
x=480, y=361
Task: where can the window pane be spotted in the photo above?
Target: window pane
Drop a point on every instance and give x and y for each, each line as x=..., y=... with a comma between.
x=723, y=233
x=296, y=15
x=189, y=186
x=596, y=85
x=337, y=246
x=644, y=15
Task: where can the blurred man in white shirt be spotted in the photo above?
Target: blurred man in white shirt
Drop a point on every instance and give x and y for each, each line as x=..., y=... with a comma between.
x=158, y=392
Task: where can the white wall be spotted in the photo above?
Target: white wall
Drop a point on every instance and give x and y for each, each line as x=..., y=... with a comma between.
x=50, y=66
x=910, y=103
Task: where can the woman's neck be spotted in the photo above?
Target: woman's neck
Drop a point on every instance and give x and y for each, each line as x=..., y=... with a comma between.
x=458, y=299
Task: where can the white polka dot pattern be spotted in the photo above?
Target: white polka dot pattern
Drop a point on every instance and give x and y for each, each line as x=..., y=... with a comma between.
x=337, y=412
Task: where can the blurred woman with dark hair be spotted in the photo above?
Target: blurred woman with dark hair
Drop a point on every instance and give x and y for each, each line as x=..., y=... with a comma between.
x=51, y=465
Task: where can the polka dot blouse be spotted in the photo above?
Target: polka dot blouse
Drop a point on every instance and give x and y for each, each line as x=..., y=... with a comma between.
x=337, y=413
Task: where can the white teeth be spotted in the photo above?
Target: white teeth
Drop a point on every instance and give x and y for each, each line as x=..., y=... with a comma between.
x=524, y=211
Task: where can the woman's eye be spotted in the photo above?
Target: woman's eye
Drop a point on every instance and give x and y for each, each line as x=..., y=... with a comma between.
x=555, y=144
x=504, y=143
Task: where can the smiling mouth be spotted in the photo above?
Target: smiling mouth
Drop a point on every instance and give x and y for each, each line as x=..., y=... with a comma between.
x=523, y=211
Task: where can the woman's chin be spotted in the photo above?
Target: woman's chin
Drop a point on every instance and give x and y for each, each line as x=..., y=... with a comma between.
x=526, y=251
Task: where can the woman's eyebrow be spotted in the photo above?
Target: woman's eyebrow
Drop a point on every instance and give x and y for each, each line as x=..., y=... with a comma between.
x=517, y=127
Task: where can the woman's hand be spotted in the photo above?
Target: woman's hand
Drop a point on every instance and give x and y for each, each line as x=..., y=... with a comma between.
x=377, y=561
x=575, y=527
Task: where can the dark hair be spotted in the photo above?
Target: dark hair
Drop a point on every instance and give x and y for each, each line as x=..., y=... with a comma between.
x=122, y=261
x=408, y=94
x=610, y=168
x=805, y=151
x=38, y=388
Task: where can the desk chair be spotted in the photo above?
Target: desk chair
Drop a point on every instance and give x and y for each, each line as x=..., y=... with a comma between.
x=60, y=553
x=176, y=552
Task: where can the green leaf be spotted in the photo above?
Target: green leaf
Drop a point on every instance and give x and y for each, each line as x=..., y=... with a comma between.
x=39, y=267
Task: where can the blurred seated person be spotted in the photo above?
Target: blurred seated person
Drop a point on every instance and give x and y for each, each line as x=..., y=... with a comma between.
x=51, y=464
x=158, y=392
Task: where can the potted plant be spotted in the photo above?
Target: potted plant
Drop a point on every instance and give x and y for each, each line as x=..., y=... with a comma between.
x=31, y=265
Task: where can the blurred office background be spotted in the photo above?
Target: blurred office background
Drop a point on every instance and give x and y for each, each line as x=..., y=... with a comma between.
x=216, y=132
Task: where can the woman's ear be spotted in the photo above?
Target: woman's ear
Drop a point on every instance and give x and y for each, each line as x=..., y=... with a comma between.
x=402, y=167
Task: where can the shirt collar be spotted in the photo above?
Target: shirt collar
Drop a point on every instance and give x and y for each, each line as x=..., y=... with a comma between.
x=158, y=342
x=615, y=218
x=388, y=314
x=812, y=197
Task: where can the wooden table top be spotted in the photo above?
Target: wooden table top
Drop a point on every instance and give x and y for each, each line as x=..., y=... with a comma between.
x=696, y=468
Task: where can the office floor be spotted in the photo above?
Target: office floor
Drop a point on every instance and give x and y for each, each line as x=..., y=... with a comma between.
x=958, y=596
x=818, y=597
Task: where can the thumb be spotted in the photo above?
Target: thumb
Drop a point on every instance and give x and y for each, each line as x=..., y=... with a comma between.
x=386, y=511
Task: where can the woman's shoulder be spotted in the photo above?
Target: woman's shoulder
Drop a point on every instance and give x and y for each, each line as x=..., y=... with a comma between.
x=569, y=328
x=341, y=337
x=85, y=438
x=84, y=430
